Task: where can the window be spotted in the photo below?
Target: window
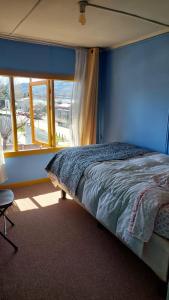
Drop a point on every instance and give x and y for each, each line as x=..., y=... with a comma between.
x=35, y=113
x=40, y=112
x=5, y=113
x=62, y=99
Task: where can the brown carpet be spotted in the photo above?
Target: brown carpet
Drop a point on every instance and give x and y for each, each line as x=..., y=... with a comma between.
x=63, y=255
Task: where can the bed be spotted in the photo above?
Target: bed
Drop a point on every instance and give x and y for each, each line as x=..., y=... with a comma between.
x=126, y=188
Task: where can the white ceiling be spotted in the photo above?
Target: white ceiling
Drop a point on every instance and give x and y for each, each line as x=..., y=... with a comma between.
x=57, y=21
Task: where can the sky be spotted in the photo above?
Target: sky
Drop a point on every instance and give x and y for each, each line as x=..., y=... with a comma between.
x=5, y=79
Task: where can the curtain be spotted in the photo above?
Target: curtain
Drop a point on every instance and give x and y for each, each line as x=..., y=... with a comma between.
x=2, y=163
x=84, y=100
x=89, y=105
x=78, y=94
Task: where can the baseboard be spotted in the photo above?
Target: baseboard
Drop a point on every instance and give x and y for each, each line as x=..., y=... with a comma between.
x=24, y=183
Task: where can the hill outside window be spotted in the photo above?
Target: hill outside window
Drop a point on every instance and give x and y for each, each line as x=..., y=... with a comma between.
x=35, y=113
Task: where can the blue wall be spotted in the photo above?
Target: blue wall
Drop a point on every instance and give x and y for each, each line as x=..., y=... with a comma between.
x=28, y=57
x=19, y=56
x=25, y=168
x=134, y=93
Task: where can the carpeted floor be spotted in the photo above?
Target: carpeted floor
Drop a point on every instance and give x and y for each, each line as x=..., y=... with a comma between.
x=63, y=255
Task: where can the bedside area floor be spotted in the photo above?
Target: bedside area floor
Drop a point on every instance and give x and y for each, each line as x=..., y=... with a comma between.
x=64, y=255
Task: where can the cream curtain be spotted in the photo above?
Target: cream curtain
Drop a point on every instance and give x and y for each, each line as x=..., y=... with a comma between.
x=84, y=101
x=2, y=163
x=89, y=105
x=78, y=94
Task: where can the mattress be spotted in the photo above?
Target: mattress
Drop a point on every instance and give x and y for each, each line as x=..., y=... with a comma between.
x=161, y=226
x=156, y=251
x=162, y=222
x=138, y=173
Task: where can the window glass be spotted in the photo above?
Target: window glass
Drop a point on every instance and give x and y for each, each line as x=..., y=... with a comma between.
x=22, y=107
x=40, y=115
x=63, y=95
x=5, y=114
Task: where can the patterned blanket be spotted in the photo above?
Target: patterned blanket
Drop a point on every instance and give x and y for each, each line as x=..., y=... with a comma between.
x=69, y=164
x=126, y=195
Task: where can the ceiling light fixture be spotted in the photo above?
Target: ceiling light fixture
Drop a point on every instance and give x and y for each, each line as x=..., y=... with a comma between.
x=82, y=6
x=84, y=3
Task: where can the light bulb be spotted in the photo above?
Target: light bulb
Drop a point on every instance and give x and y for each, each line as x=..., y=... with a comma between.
x=82, y=19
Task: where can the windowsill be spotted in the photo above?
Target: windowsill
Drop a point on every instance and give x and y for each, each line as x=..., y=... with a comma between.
x=32, y=152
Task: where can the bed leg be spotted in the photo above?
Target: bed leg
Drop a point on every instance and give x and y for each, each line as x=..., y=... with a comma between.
x=63, y=195
x=100, y=226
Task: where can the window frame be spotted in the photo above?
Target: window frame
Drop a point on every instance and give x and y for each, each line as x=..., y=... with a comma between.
x=45, y=82
x=51, y=146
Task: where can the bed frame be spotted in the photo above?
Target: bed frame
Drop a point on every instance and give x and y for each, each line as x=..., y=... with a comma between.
x=155, y=252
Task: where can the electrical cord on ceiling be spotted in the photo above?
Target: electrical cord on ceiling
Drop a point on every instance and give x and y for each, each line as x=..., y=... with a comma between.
x=129, y=14
x=26, y=16
x=85, y=3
